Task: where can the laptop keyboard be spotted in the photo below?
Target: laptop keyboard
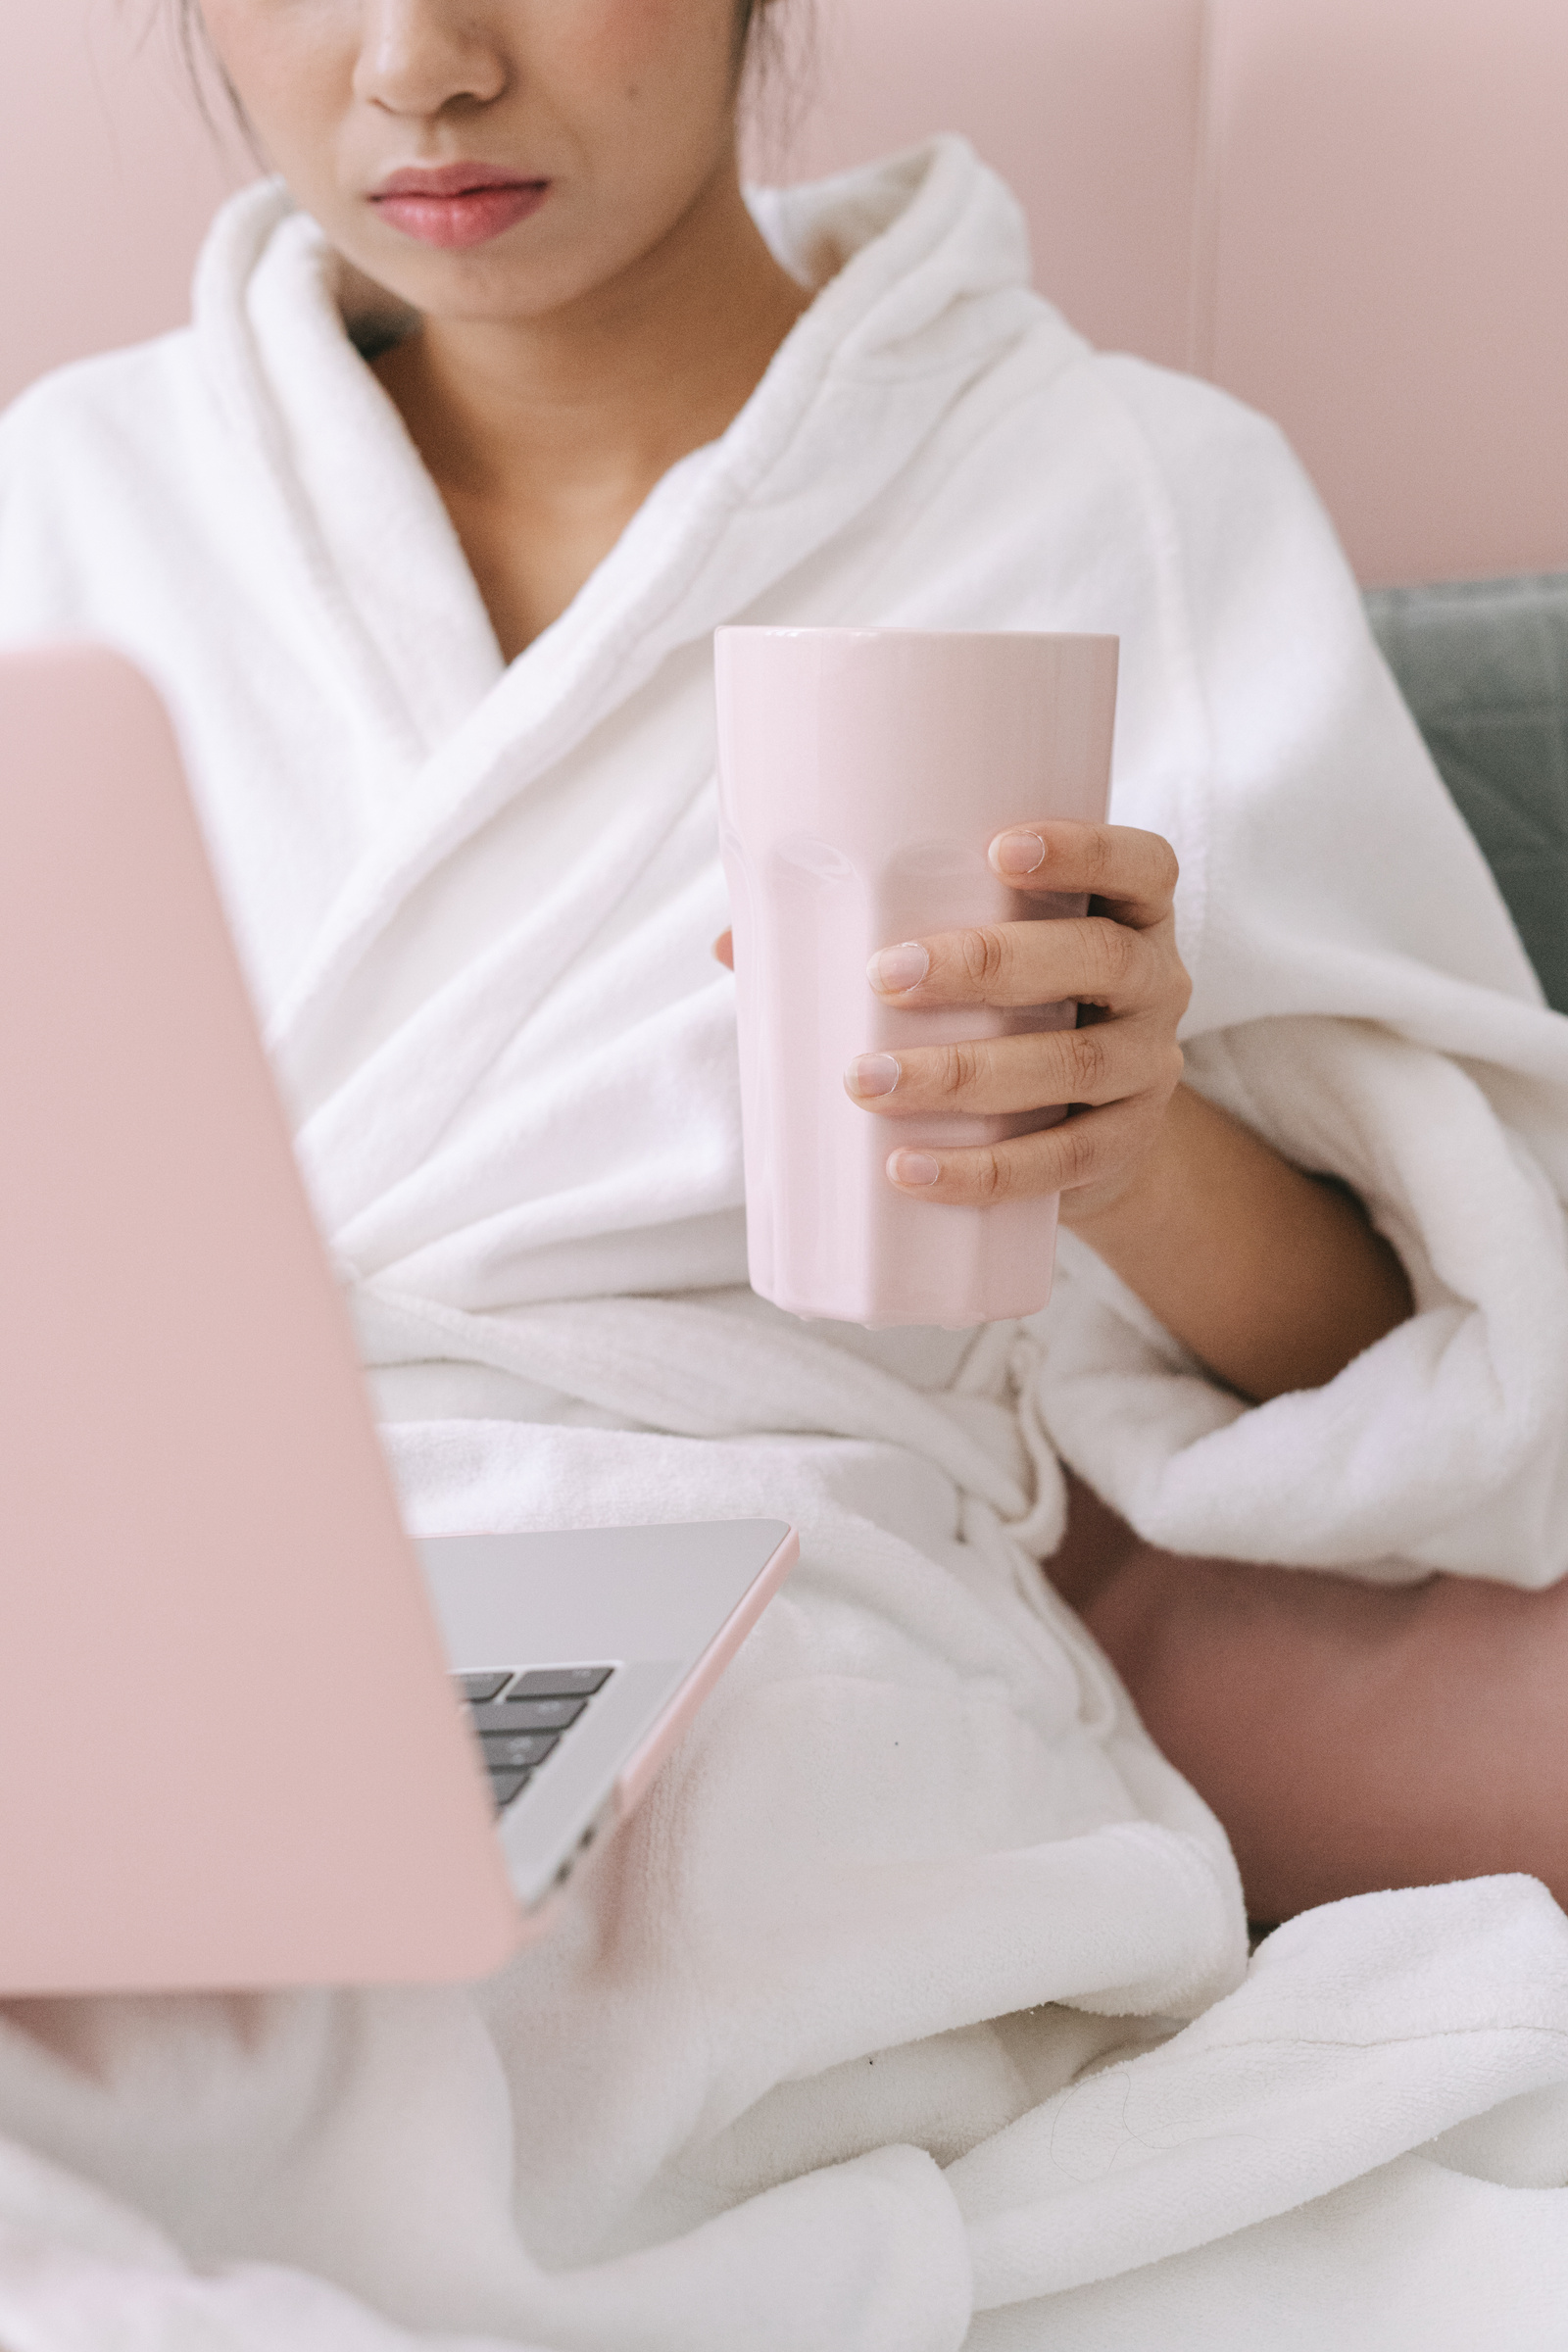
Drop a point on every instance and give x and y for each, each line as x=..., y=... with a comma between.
x=522, y=1714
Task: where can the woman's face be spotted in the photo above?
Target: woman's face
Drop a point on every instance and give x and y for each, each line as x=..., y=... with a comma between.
x=488, y=158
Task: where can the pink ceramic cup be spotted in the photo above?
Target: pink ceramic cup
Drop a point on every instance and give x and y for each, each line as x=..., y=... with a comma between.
x=862, y=774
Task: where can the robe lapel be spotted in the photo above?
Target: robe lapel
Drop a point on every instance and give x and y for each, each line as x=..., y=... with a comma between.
x=909, y=320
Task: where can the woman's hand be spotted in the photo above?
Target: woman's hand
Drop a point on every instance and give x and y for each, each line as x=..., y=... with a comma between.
x=1273, y=1278
x=1117, y=1069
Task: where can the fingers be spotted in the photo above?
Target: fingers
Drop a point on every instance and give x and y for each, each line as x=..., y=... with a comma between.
x=1088, y=1149
x=1132, y=871
x=1000, y=1076
x=1088, y=958
x=1093, y=959
x=1109, y=956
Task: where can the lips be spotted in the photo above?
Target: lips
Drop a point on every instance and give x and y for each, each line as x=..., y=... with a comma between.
x=455, y=205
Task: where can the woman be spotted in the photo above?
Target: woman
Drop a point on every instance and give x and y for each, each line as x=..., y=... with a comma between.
x=493, y=408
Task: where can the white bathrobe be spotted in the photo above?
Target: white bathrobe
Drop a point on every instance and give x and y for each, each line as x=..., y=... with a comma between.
x=871, y=2034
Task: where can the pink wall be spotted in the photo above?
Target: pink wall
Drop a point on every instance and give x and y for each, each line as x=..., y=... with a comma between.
x=1383, y=264
x=1354, y=213
x=1089, y=108
x=109, y=171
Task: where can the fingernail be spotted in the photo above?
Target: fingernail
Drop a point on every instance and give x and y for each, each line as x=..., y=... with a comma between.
x=1017, y=853
x=894, y=969
x=914, y=1167
x=872, y=1074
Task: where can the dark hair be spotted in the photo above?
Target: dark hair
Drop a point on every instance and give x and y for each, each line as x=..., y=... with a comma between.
x=213, y=92
x=749, y=16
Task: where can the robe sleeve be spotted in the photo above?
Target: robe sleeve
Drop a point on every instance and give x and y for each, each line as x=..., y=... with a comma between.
x=1363, y=1001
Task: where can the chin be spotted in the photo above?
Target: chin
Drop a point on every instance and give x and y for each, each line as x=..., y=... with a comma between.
x=472, y=286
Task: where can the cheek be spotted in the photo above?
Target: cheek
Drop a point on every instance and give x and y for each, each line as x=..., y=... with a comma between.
x=630, y=52
x=291, y=65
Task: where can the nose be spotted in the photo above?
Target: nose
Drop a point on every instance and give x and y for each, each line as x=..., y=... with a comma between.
x=420, y=57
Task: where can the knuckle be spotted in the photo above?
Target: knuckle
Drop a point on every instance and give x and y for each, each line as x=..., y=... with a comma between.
x=956, y=1068
x=1099, y=853
x=1087, y=1060
x=1078, y=1151
x=1167, y=865
x=984, y=953
x=992, y=1181
x=1113, y=952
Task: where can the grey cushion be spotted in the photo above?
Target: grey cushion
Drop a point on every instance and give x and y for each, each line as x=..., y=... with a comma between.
x=1483, y=665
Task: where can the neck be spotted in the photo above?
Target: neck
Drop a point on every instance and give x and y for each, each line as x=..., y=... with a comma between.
x=545, y=435
x=615, y=387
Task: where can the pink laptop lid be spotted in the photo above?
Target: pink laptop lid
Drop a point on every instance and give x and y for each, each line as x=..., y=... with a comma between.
x=229, y=1751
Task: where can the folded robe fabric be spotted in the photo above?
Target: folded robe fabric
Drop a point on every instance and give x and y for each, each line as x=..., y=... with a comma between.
x=916, y=1991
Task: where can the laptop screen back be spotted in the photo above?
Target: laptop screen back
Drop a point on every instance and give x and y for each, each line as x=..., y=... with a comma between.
x=228, y=1754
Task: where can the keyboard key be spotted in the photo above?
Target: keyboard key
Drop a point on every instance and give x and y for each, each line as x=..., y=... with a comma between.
x=529, y=1715
x=504, y=1786
x=510, y=1752
x=536, y=1714
x=477, y=1687
x=562, y=1682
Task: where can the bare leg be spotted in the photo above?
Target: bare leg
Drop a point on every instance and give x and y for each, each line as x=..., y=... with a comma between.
x=1349, y=1736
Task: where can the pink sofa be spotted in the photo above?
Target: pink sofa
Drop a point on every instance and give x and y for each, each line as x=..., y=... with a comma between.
x=1353, y=212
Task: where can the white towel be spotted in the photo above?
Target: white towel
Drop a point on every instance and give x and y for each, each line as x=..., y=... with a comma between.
x=917, y=1893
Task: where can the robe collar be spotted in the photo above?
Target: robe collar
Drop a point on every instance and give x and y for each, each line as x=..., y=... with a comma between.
x=922, y=266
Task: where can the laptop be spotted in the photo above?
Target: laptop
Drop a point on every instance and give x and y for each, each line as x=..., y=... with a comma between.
x=249, y=1735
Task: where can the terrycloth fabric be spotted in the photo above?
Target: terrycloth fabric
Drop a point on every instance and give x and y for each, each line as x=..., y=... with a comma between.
x=477, y=907
x=917, y=1893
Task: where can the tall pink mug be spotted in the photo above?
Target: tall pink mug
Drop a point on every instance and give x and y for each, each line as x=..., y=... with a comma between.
x=862, y=774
